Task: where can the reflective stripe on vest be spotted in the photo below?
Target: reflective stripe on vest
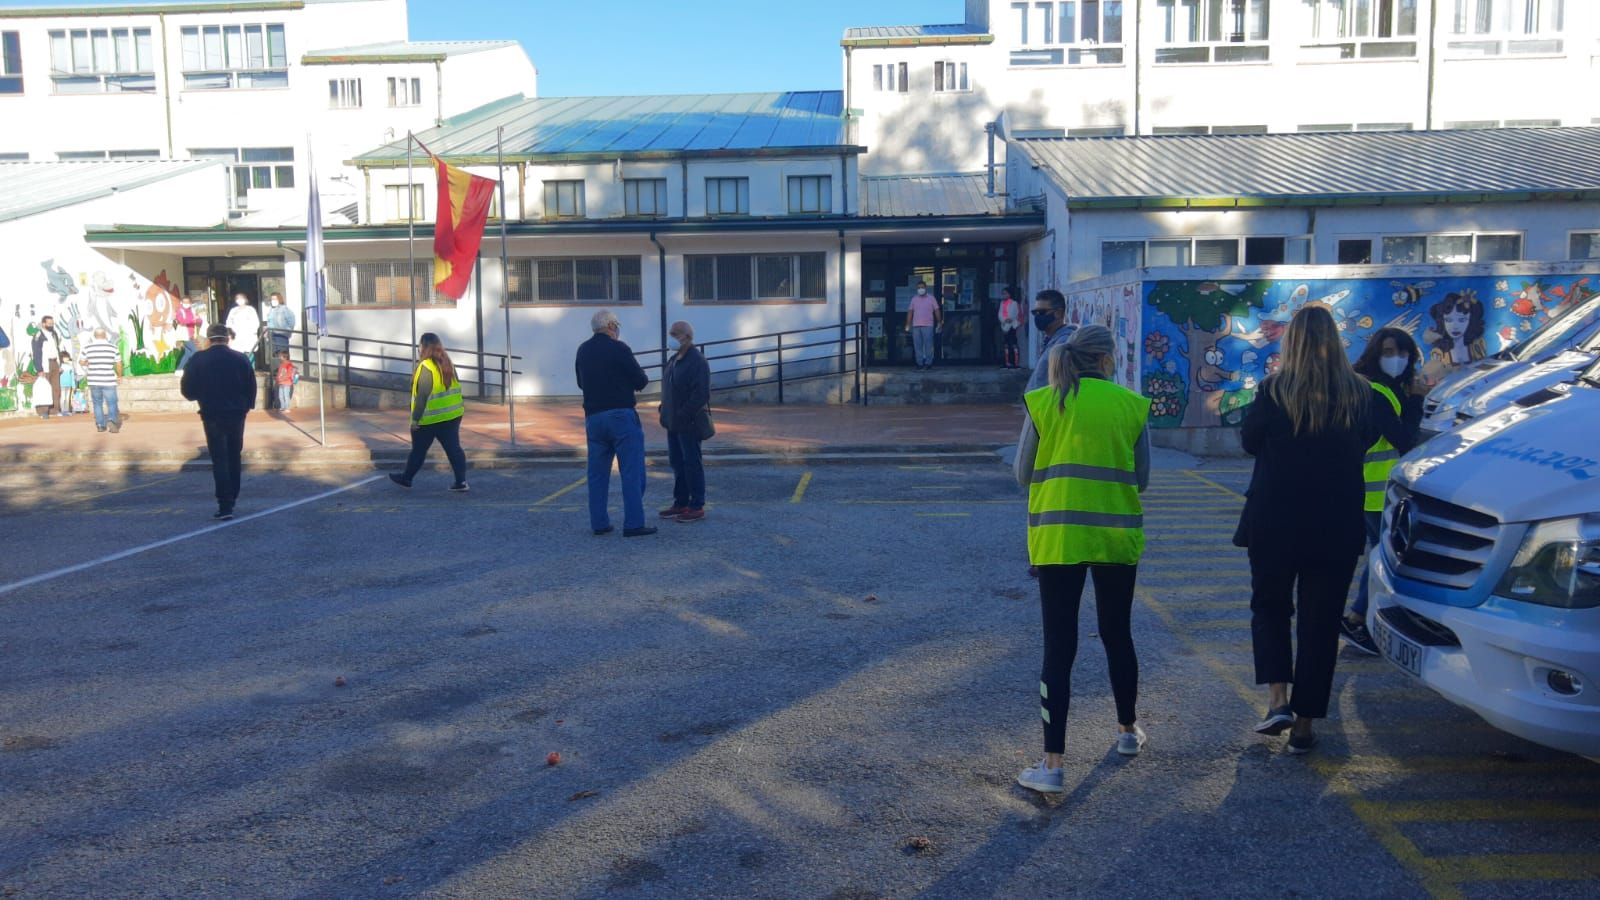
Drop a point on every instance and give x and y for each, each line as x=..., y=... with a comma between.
x=1083, y=501
x=1379, y=461
x=444, y=403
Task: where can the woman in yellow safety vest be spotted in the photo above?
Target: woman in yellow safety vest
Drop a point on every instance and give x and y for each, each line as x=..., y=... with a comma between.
x=1083, y=457
x=435, y=413
x=1391, y=361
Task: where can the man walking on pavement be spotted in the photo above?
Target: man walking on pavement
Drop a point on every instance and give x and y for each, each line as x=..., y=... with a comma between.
x=47, y=360
x=1050, y=318
x=103, y=365
x=609, y=376
x=222, y=381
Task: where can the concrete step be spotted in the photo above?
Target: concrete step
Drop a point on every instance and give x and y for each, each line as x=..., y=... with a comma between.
x=945, y=385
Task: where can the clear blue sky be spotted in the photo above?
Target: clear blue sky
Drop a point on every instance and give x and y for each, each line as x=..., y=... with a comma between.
x=666, y=47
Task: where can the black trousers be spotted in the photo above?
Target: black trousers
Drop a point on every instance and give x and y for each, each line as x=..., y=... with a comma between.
x=225, y=442
x=1060, y=594
x=1320, y=587
x=448, y=434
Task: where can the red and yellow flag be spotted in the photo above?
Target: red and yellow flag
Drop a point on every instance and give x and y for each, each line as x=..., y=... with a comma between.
x=463, y=211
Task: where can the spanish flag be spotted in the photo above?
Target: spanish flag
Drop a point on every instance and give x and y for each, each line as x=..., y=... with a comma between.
x=463, y=211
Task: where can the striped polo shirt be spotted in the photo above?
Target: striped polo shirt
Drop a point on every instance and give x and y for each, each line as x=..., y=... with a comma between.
x=100, y=360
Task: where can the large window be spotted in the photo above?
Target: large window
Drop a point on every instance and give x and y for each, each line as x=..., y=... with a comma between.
x=1506, y=27
x=810, y=194
x=746, y=278
x=1359, y=29
x=1068, y=32
x=1584, y=245
x=1116, y=256
x=575, y=280
x=891, y=77
x=251, y=168
x=10, y=62
x=219, y=57
x=81, y=155
x=1212, y=31
x=644, y=197
x=400, y=210
x=380, y=283
x=102, y=60
x=405, y=91
x=727, y=196
x=1406, y=249
x=563, y=199
x=344, y=93
x=949, y=76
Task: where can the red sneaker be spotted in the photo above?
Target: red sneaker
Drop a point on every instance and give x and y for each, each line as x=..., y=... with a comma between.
x=692, y=515
x=672, y=512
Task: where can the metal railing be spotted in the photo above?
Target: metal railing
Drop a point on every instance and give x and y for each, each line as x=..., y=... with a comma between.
x=338, y=354
x=770, y=359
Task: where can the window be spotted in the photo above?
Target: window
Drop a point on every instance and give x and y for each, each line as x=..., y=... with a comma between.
x=1068, y=32
x=1209, y=129
x=644, y=196
x=598, y=280
x=950, y=76
x=345, y=93
x=134, y=154
x=102, y=61
x=1116, y=256
x=218, y=57
x=10, y=62
x=1277, y=251
x=810, y=194
x=1355, y=252
x=742, y=278
x=727, y=196
x=80, y=155
x=1181, y=129
x=891, y=77
x=399, y=209
x=1361, y=126
x=405, y=91
x=1584, y=245
x=1212, y=31
x=563, y=199
x=1533, y=123
x=1451, y=248
x=1098, y=131
x=251, y=168
x=381, y=283
x=1471, y=125
x=1506, y=27
x=13, y=157
x=1359, y=29
x=1238, y=129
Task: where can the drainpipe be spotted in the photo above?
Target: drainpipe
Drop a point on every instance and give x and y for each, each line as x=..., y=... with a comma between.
x=166, y=83
x=366, y=180
x=842, y=302
x=661, y=268
x=1138, y=64
x=844, y=183
x=1433, y=60
x=438, y=90
x=988, y=130
x=685, y=169
x=848, y=71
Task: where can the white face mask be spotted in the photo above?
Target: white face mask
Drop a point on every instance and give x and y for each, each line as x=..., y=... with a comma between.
x=677, y=343
x=1393, y=366
x=921, y=291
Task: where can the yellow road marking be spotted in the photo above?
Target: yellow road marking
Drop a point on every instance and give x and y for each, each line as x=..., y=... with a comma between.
x=800, y=489
x=949, y=515
x=564, y=491
x=124, y=490
x=1391, y=766
x=1204, y=480
x=1499, y=810
x=1522, y=866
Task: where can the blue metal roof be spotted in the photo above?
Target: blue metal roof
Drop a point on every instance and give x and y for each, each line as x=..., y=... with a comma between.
x=575, y=128
x=911, y=33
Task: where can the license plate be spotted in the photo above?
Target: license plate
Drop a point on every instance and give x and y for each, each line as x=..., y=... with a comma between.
x=1398, y=649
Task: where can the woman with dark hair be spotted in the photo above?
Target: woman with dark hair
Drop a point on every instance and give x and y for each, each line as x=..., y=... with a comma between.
x=1390, y=361
x=1458, y=330
x=1308, y=429
x=435, y=412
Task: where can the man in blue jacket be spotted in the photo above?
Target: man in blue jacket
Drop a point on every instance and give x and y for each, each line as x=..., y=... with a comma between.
x=609, y=376
x=222, y=381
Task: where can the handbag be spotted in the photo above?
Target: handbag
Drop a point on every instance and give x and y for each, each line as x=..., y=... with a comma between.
x=707, y=428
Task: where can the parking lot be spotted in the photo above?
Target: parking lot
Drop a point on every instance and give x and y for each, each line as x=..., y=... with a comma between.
x=825, y=689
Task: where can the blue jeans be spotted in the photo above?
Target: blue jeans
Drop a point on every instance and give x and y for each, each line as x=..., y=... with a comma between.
x=922, y=343
x=104, y=400
x=285, y=391
x=688, y=472
x=1374, y=521
x=190, y=348
x=615, y=433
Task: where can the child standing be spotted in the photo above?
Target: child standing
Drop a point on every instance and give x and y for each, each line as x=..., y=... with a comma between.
x=69, y=386
x=286, y=379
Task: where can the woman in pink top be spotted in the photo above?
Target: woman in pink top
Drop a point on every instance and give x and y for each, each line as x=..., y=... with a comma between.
x=1010, y=324
x=922, y=320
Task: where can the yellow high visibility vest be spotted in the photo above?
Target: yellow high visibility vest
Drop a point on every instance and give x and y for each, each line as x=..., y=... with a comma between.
x=1380, y=459
x=444, y=403
x=1083, y=504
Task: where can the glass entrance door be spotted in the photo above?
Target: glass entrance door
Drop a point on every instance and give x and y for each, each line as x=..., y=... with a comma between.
x=966, y=280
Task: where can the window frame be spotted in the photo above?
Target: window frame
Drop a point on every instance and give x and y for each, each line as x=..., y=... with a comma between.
x=405, y=91
x=624, y=269
x=1474, y=30
x=741, y=186
x=950, y=77
x=205, y=63
x=1381, y=248
x=395, y=193
x=1252, y=48
x=822, y=187
x=633, y=192
x=1351, y=44
x=1053, y=45
x=798, y=277
x=11, y=78
x=1594, y=243
x=422, y=271
x=129, y=69
x=553, y=188
x=344, y=93
x=1304, y=242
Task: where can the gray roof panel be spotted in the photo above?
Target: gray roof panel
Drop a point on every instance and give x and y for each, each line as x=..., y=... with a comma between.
x=30, y=188
x=881, y=32
x=964, y=194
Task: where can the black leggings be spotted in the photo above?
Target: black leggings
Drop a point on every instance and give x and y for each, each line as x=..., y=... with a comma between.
x=448, y=435
x=1060, y=592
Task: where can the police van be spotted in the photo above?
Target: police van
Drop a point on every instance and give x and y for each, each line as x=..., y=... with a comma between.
x=1485, y=584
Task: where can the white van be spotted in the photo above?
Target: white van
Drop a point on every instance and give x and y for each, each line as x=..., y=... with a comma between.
x=1486, y=581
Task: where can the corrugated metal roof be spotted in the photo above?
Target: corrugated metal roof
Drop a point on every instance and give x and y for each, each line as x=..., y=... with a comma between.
x=1342, y=164
x=553, y=128
x=30, y=188
x=964, y=194
x=426, y=51
x=883, y=32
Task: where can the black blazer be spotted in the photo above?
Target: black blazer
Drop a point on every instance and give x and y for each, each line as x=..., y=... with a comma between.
x=685, y=391
x=1307, y=491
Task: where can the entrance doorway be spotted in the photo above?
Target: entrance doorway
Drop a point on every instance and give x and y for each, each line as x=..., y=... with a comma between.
x=967, y=280
x=211, y=285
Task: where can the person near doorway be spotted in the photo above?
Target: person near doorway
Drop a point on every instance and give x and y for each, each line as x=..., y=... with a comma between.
x=102, y=365
x=284, y=378
x=1010, y=327
x=1050, y=320
x=280, y=324
x=436, y=411
x=609, y=376
x=1083, y=457
x=246, y=325
x=189, y=322
x=223, y=382
x=67, y=402
x=922, y=320
x=47, y=362
x=686, y=415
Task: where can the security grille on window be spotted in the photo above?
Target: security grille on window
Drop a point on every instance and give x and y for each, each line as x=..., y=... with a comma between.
x=727, y=196
x=380, y=283
x=219, y=57
x=344, y=93
x=1068, y=32
x=810, y=194
x=405, y=91
x=644, y=196
x=102, y=60
x=1507, y=27
x=1359, y=29
x=10, y=62
x=1584, y=245
x=742, y=278
x=598, y=280
x=950, y=76
x=1451, y=248
x=563, y=199
x=399, y=209
x=891, y=77
x=1213, y=31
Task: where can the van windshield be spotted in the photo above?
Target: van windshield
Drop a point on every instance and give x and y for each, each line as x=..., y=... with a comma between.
x=1559, y=330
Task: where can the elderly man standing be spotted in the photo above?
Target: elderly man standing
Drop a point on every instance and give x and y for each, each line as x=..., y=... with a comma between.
x=221, y=380
x=686, y=415
x=609, y=376
x=102, y=364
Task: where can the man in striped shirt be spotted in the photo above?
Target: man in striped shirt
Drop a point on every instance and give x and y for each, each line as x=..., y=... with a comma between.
x=102, y=364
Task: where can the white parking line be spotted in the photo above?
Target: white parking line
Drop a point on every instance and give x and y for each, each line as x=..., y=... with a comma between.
x=51, y=576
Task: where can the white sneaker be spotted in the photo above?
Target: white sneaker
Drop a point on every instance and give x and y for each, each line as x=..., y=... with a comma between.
x=1039, y=778
x=1129, y=743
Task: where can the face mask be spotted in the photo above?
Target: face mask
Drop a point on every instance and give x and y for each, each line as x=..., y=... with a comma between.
x=921, y=291
x=1393, y=366
x=677, y=343
x=1044, y=318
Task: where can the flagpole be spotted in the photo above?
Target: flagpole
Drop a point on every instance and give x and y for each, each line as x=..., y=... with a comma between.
x=312, y=279
x=411, y=241
x=505, y=279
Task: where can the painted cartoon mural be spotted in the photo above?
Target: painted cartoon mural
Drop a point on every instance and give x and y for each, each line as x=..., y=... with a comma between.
x=1115, y=306
x=1207, y=345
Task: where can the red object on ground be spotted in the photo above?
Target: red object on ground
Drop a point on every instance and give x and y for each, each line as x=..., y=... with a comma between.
x=554, y=759
x=339, y=682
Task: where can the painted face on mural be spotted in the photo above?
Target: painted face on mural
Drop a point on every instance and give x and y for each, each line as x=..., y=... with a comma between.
x=1455, y=324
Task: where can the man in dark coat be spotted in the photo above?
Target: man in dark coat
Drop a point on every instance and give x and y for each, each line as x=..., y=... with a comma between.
x=222, y=381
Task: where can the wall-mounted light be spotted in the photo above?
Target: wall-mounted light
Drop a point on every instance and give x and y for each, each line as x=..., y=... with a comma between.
x=947, y=240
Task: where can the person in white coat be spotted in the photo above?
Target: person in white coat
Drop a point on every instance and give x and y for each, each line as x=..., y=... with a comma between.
x=245, y=323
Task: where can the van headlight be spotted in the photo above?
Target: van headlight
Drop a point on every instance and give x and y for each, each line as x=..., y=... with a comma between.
x=1446, y=409
x=1557, y=565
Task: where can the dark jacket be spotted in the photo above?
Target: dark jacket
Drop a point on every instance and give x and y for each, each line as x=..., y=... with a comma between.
x=1306, y=493
x=221, y=380
x=1410, y=413
x=608, y=374
x=685, y=391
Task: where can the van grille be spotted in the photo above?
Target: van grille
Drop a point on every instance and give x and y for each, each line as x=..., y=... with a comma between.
x=1430, y=540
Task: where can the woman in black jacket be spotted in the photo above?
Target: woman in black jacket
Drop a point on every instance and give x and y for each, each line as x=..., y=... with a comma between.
x=1309, y=429
x=686, y=415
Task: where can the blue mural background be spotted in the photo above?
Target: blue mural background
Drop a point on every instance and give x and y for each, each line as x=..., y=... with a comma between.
x=1207, y=345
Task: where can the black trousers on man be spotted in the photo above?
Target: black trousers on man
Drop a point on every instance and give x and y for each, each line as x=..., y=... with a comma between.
x=225, y=442
x=1320, y=587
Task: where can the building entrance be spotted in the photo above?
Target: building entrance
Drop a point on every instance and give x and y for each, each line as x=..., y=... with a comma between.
x=966, y=279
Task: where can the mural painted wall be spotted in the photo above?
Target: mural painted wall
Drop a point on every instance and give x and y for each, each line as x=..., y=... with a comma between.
x=1115, y=306
x=1207, y=345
